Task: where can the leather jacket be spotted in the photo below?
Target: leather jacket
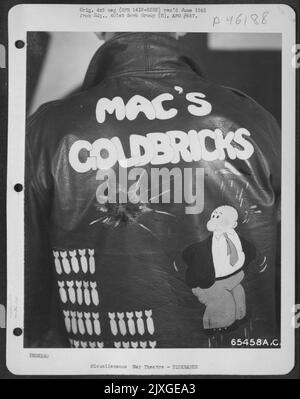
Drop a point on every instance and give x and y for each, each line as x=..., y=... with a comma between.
x=113, y=275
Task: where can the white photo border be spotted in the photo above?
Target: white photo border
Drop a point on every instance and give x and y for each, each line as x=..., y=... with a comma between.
x=237, y=361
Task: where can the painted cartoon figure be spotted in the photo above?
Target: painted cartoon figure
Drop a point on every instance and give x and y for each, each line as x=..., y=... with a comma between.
x=215, y=269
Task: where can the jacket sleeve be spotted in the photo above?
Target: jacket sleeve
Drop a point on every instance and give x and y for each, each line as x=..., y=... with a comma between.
x=41, y=325
x=275, y=162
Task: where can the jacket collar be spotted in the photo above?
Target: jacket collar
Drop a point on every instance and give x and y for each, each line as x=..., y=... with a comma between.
x=138, y=52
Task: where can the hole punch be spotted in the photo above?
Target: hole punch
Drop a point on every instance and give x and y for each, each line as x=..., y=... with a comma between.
x=17, y=331
x=18, y=187
x=19, y=44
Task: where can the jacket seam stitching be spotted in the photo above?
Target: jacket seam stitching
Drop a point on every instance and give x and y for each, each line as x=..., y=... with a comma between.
x=138, y=71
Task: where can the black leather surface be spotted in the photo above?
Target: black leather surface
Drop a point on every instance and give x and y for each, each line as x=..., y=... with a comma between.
x=135, y=266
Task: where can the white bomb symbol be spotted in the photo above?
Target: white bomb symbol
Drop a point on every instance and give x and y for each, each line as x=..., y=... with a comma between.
x=113, y=323
x=67, y=320
x=87, y=297
x=65, y=262
x=74, y=261
x=83, y=260
x=97, y=327
x=80, y=323
x=149, y=321
x=94, y=293
x=88, y=323
x=131, y=326
x=71, y=291
x=79, y=292
x=62, y=291
x=57, y=262
x=140, y=323
x=92, y=261
x=122, y=325
x=74, y=323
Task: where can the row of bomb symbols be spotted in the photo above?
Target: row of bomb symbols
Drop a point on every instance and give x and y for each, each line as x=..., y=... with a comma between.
x=78, y=292
x=131, y=322
x=124, y=344
x=82, y=322
x=74, y=261
x=135, y=344
x=86, y=344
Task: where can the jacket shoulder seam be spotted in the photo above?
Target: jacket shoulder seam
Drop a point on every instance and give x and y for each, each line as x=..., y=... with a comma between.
x=242, y=94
